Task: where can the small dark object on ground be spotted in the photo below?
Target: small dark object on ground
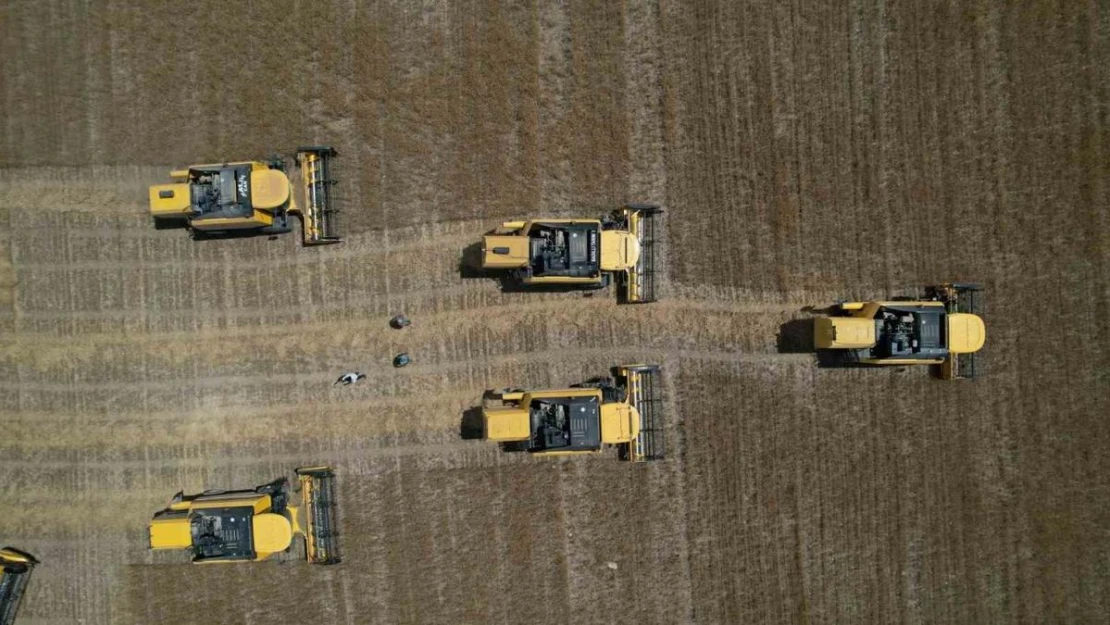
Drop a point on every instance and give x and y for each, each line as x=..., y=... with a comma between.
x=399, y=322
x=402, y=359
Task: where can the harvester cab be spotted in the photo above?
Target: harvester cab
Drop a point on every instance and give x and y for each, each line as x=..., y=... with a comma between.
x=253, y=524
x=252, y=197
x=15, y=573
x=943, y=328
x=625, y=411
x=580, y=253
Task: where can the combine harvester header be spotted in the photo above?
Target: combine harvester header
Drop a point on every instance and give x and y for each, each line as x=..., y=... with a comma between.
x=319, y=212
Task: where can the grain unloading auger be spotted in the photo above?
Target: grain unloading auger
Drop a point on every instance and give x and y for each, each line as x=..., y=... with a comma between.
x=253, y=524
x=252, y=196
x=15, y=573
x=625, y=411
x=580, y=253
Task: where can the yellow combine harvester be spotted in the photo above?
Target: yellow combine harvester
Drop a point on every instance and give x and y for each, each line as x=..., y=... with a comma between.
x=252, y=525
x=942, y=328
x=623, y=411
x=580, y=253
x=251, y=196
x=15, y=573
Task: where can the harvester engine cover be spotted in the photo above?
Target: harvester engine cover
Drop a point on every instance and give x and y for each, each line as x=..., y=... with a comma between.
x=222, y=533
x=569, y=250
x=910, y=332
x=570, y=424
x=221, y=193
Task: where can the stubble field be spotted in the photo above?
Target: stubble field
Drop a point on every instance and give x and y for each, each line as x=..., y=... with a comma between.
x=804, y=153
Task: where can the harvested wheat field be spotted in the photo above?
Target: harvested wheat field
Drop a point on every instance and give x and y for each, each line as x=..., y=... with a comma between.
x=805, y=152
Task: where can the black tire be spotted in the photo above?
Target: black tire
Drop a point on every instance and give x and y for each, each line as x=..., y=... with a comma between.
x=162, y=223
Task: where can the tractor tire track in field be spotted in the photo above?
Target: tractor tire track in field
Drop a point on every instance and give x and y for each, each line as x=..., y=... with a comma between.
x=71, y=401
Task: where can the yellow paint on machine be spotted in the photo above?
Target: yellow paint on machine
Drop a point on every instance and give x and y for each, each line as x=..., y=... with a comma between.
x=843, y=333
x=170, y=533
x=501, y=251
x=272, y=533
x=966, y=333
x=170, y=200
x=507, y=424
x=258, y=219
x=620, y=251
x=269, y=188
x=620, y=423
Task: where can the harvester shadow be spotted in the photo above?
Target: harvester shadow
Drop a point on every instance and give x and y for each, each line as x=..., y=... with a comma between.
x=472, y=427
x=796, y=337
x=473, y=424
x=170, y=224
x=836, y=359
x=199, y=236
x=470, y=264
